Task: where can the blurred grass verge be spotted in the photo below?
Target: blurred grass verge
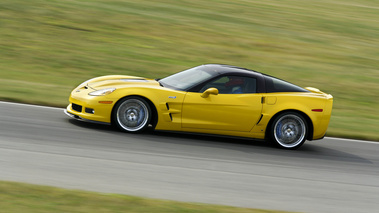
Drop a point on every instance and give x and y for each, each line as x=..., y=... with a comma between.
x=19, y=197
x=49, y=47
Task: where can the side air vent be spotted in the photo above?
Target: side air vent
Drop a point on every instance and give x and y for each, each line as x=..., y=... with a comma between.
x=260, y=119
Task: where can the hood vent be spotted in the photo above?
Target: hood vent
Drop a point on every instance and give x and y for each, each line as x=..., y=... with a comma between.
x=133, y=80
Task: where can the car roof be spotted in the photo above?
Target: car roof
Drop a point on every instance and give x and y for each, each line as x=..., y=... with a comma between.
x=228, y=69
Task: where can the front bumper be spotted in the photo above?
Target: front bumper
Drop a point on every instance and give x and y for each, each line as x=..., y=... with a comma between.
x=90, y=108
x=83, y=119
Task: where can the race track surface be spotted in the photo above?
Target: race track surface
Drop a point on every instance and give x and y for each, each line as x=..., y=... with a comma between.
x=41, y=145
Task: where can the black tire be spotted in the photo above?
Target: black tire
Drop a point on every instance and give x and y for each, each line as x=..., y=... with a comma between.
x=132, y=114
x=289, y=130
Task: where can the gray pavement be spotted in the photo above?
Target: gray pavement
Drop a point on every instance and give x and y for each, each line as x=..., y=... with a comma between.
x=40, y=145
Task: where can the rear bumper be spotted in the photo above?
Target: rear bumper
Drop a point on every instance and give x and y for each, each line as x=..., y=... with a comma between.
x=320, y=129
x=318, y=138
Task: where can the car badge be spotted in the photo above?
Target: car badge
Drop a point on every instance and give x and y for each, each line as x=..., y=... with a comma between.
x=173, y=97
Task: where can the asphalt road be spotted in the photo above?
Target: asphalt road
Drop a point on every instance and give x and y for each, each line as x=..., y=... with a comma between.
x=41, y=145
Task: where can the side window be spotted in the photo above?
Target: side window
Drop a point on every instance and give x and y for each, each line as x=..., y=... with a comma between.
x=277, y=85
x=233, y=85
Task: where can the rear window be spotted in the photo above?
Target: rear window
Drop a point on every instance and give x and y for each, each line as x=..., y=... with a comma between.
x=277, y=85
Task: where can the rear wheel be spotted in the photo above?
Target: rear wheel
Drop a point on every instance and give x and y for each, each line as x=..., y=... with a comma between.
x=289, y=130
x=132, y=114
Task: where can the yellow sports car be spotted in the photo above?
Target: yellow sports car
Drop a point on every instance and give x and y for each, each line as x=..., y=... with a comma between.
x=211, y=99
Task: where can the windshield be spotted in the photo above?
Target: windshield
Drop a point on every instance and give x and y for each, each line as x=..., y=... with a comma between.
x=187, y=79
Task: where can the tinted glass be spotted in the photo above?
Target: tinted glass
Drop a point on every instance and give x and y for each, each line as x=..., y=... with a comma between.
x=232, y=85
x=277, y=85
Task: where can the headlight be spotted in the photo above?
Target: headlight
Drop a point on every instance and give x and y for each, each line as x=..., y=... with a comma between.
x=102, y=92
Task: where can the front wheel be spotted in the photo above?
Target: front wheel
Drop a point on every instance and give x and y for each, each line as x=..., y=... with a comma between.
x=132, y=114
x=289, y=130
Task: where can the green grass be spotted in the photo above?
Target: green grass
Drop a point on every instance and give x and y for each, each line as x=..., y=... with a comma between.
x=47, y=47
x=18, y=197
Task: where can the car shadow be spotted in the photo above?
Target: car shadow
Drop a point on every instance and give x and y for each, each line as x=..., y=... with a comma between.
x=309, y=150
x=89, y=125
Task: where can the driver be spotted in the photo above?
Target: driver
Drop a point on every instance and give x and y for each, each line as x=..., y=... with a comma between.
x=235, y=84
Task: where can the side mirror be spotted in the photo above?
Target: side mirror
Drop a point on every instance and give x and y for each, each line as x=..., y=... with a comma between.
x=209, y=91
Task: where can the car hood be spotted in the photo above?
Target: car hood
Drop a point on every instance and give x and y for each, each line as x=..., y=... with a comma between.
x=118, y=81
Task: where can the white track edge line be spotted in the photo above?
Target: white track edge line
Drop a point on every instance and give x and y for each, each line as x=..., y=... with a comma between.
x=31, y=105
x=352, y=140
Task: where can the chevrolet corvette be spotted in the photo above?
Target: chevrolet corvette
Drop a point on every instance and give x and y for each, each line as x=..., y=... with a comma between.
x=210, y=99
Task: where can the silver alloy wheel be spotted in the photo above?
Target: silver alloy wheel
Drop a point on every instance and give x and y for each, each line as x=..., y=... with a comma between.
x=289, y=131
x=132, y=115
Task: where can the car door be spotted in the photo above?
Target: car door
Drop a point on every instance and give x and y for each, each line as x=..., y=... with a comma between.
x=236, y=107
